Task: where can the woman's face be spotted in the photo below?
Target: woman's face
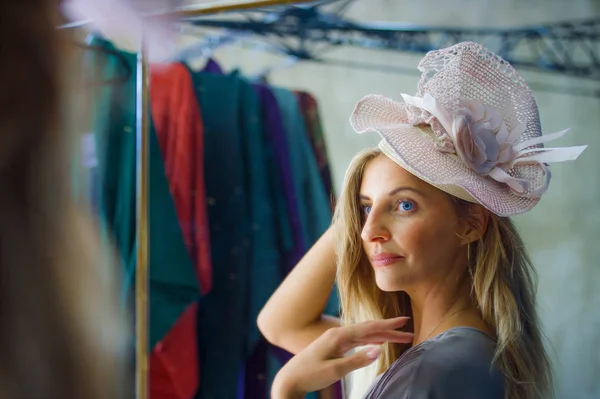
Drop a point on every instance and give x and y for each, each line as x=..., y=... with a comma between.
x=411, y=233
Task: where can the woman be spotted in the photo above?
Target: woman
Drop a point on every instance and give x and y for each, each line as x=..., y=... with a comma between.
x=422, y=230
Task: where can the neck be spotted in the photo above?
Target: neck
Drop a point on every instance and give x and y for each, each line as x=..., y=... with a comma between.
x=444, y=306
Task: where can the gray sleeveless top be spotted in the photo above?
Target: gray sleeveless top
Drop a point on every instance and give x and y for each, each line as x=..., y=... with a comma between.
x=456, y=364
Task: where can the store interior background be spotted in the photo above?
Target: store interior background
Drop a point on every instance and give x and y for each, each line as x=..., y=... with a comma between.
x=562, y=232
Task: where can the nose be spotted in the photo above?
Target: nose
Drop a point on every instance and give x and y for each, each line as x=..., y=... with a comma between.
x=375, y=229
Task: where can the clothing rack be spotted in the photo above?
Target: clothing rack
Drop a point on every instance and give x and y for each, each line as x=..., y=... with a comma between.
x=142, y=167
x=204, y=9
x=142, y=256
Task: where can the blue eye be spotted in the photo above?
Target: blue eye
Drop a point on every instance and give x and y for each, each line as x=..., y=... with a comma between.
x=406, y=206
x=366, y=209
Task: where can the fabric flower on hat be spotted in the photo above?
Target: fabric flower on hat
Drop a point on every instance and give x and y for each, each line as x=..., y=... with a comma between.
x=482, y=141
x=480, y=137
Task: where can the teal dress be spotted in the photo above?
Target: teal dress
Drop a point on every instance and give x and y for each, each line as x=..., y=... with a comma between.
x=223, y=334
x=114, y=130
x=312, y=199
x=173, y=283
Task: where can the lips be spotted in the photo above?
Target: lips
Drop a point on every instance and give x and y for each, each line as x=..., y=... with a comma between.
x=385, y=259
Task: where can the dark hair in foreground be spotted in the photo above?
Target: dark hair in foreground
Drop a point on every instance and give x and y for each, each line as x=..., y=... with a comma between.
x=60, y=329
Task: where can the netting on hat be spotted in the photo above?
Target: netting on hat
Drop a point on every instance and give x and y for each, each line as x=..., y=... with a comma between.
x=417, y=140
x=468, y=71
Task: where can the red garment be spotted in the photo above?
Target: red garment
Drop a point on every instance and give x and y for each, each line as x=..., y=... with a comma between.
x=178, y=124
x=174, y=360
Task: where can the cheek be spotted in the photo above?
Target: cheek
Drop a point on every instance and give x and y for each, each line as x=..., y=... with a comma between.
x=415, y=238
x=423, y=240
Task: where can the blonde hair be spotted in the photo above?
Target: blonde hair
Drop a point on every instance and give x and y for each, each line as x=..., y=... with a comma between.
x=503, y=289
x=61, y=330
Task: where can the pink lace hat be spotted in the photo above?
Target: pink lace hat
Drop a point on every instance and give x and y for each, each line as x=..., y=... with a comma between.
x=473, y=130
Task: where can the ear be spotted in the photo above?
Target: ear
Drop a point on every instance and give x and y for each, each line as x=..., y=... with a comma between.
x=475, y=224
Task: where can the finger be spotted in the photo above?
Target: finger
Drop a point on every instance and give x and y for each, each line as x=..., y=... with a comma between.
x=387, y=336
x=356, y=361
x=360, y=330
x=341, y=339
x=392, y=337
x=391, y=323
x=395, y=322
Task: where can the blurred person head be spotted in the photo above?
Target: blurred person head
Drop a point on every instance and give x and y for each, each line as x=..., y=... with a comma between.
x=60, y=324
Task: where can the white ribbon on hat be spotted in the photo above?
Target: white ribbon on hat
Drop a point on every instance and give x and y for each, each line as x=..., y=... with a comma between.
x=519, y=153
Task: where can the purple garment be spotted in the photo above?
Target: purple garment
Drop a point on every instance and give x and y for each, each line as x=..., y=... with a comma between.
x=277, y=137
x=255, y=374
x=213, y=67
x=256, y=370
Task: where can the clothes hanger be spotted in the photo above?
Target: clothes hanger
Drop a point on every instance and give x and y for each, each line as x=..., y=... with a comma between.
x=125, y=71
x=204, y=49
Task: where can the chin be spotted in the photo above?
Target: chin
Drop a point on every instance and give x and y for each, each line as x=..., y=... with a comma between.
x=387, y=284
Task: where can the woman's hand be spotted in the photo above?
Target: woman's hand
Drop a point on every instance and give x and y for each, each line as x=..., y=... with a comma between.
x=322, y=363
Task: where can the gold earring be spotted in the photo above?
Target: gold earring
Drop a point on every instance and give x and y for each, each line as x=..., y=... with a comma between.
x=469, y=253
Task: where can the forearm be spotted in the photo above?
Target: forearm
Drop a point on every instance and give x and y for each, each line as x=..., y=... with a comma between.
x=301, y=337
x=286, y=395
x=281, y=389
x=292, y=318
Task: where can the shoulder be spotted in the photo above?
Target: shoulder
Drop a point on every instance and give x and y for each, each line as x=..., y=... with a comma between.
x=455, y=364
x=459, y=364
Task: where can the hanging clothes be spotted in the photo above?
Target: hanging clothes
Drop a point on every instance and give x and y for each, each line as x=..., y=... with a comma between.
x=266, y=272
x=293, y=246
x=265, y=268
x=174, y=364
x=314, y=129
x=234, y=130
x=173, y=371
x=311, y=195
x=313, y=204
x=114, y=127
x=255, y=378
x=174, y=288
x=266, y=202
x=178, y=122
x=265, y=360
x=222, y=314
x=173, y=281
x=314, y=212
x=213, y=67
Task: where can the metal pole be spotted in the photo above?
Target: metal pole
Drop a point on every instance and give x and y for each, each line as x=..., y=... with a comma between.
x=222, y=6
x=142, y=254
x=204, y=9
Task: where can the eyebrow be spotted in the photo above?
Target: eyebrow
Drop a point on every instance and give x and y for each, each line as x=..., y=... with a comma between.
x=396, y=191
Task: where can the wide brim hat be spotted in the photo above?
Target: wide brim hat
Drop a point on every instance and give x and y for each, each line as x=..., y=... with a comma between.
x=473, y=130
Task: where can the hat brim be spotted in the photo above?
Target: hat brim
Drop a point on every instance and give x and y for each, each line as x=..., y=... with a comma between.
x=414, y=148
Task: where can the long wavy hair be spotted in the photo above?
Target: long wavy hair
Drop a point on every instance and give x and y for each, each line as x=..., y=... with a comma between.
x=60, y=321
x=503, y=289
